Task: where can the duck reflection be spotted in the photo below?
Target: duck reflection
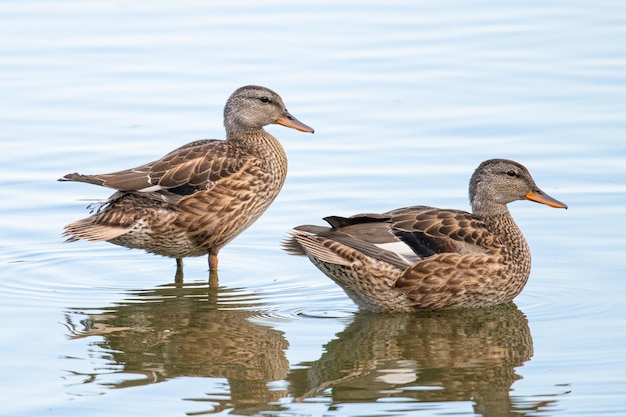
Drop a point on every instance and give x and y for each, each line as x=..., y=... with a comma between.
x=187, y=330
x=431, y=357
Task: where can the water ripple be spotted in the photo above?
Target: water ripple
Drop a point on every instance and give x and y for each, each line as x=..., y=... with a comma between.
x=563, y=297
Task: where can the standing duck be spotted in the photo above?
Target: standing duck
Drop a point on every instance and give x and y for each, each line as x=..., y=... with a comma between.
x=199, y=197
x=426, y=258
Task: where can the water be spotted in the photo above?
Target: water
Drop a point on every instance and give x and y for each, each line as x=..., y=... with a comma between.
x=407, y=99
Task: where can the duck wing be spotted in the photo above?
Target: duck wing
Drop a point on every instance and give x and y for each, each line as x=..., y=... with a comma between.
x=402, y=237
x=347, y=239
x=192, y=167
x=430, y=231
x=459, y=250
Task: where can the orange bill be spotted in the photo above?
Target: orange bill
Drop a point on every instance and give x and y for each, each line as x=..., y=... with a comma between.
x=288, y=120
x=540, y=197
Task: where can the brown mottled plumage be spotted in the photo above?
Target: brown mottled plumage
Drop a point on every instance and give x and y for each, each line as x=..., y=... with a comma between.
x=425, y=258
x=197, y=198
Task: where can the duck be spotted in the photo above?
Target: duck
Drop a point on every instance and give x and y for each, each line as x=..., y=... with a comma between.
x=423, y=258
x=198, y=197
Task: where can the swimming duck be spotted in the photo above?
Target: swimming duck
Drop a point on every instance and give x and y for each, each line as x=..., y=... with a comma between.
x=426, y=258
x=197, y=198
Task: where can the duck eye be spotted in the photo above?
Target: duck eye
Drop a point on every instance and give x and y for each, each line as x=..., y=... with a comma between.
x=265, y=99
x=511, y=174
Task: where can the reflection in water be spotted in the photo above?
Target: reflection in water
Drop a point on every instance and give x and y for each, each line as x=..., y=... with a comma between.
x=202, y=331
x=187, y=330
x=431, y=357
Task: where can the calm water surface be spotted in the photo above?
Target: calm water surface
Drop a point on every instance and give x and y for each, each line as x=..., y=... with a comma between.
x=407, y=98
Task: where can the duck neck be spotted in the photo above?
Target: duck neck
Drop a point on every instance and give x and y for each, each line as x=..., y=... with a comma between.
x=503, y=226
x=257, y=141
x=264, y=146
x=515, y=251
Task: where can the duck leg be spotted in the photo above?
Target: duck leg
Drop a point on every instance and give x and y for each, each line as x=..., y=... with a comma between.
x=213, y=278
x=178, y=278
x=213, y=261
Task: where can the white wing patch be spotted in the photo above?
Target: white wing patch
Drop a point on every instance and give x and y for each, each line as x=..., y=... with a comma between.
x=401, y=249
x=150, y=189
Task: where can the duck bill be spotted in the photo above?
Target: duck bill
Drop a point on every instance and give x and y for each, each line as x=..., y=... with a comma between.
x=288, y=120
x=539, y=196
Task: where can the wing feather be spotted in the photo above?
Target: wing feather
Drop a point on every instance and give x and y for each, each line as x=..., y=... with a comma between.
x=189, y=168
x=444, y=230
